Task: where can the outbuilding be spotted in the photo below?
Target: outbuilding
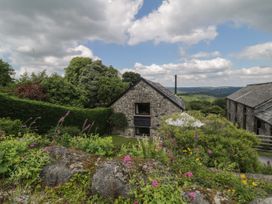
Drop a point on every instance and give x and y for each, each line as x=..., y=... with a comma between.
x=144, y=104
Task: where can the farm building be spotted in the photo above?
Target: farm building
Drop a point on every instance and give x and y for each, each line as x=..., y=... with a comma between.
x=251, y=108
x=144, y=104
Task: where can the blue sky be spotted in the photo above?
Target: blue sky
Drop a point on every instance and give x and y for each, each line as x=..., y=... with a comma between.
x=206, y=43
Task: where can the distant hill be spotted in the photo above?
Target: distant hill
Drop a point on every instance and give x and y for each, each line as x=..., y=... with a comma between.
x=211, y=91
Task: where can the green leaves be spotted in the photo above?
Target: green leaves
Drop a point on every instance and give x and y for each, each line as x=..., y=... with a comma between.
x=6, y=73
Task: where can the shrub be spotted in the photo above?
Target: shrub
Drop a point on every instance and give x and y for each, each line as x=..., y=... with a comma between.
x=93, y=144
x=50, y=114
x=20, y=161
x=32, y=91
x=11, y=127
x=118, y=121
x=224, y=145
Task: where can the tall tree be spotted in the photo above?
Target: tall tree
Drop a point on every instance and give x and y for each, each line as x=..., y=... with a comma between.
x=131, y=77
x=6, y=73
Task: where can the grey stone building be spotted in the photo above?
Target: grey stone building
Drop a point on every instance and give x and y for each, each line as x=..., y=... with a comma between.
x=144, y=104
x=251, y=108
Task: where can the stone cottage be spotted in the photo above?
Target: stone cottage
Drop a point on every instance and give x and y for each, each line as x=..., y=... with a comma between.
x=251, y=108
x=144, y=104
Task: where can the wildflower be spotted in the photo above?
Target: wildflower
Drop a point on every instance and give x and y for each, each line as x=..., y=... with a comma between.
x=254, y=184
x=135, y=202
x=127, y=160
x=243, y=176
x=244, y=182
x=155, y=183
x=192, y=195
x=197, y=159
x=188, y=174
x=209, y=152
x=33, y=145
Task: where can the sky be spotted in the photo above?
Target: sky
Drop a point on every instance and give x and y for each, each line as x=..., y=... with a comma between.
x=204, y=42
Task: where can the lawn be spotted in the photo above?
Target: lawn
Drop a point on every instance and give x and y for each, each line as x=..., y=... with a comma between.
x=120, y=140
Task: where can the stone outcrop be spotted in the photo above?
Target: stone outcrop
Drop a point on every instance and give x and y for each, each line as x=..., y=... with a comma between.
x=65, y=163
x=111, y=180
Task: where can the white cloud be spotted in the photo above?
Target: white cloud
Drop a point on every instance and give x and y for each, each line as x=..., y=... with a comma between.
x=206, y=54
x=258, y=51
x=35, y=34
x=194, y=21
x=195, y=72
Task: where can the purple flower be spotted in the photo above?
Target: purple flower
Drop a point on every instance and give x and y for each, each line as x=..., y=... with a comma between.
x=188, y=174
x=127, y=160
x=209, y=152
x=191, y=195
x=32, y=145
x=155, y=183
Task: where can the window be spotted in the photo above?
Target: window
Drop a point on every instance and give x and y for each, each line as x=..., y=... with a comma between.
x=141, y=131
x=142, y=108
x=259, y=126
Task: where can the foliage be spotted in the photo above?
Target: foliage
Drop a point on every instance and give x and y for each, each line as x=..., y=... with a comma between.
x=118, y=121
x=20, y=161
x=32, y=91
x=62, y=92
x=145, y=148
x=93, y=144
x=101, y=84
x=109, y=89
x=11, y=127
x=50, y=114
x=131, y=78
x=218, y=140
x=6, y=76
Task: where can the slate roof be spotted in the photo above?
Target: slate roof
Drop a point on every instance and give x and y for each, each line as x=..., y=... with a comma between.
x=264, y=112
x=161, y=89
x=167, y=93
x=253, y=95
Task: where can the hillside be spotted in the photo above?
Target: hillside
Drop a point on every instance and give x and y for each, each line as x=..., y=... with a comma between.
x=211, y=91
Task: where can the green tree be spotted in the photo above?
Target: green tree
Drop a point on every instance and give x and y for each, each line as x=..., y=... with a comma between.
x=60, y=91
x=6, y=73
x=131, y=77
x=94, y=79
x=109, y=89
x=74, y=70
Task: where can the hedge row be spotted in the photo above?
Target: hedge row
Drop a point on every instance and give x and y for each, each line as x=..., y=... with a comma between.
x=50, y=114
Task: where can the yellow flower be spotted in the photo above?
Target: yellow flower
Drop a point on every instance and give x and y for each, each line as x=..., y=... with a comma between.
x=243, y=176
x=197, y=159
x=244, y=182
x=254, y=184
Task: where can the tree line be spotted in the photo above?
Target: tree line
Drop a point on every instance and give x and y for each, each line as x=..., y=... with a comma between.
x=86, y=83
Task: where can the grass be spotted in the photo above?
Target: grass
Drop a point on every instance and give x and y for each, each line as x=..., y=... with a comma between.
x=197, y=97
x=118, y=140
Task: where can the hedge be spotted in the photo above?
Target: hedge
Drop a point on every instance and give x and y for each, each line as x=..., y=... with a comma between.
x=50, y=114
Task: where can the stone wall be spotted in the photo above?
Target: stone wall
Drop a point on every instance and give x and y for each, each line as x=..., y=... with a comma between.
x=236, y=115
x=143, y=93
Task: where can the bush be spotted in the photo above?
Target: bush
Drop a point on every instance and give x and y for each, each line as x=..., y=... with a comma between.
x=20, y=161
x=50, y=114
x=32, y=91
x=102, y=146
x=224, y=146
x=11, y=127
x=118, y=121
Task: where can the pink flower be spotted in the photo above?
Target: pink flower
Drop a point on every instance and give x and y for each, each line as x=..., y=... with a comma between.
x=136, y=202
x=209, y=152
x=155, y=183
x=127, y=160
x=188, y=174
x=192, y=195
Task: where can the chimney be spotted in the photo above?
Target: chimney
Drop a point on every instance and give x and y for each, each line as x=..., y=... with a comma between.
x=176, y=79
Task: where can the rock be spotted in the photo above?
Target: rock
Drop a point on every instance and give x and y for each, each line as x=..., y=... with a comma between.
x=262, y=201
x=56, y=174
x=195, y=197
x=111, y=180
x=65, y=163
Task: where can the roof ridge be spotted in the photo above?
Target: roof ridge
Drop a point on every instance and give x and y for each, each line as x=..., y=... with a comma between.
x=260, y=83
